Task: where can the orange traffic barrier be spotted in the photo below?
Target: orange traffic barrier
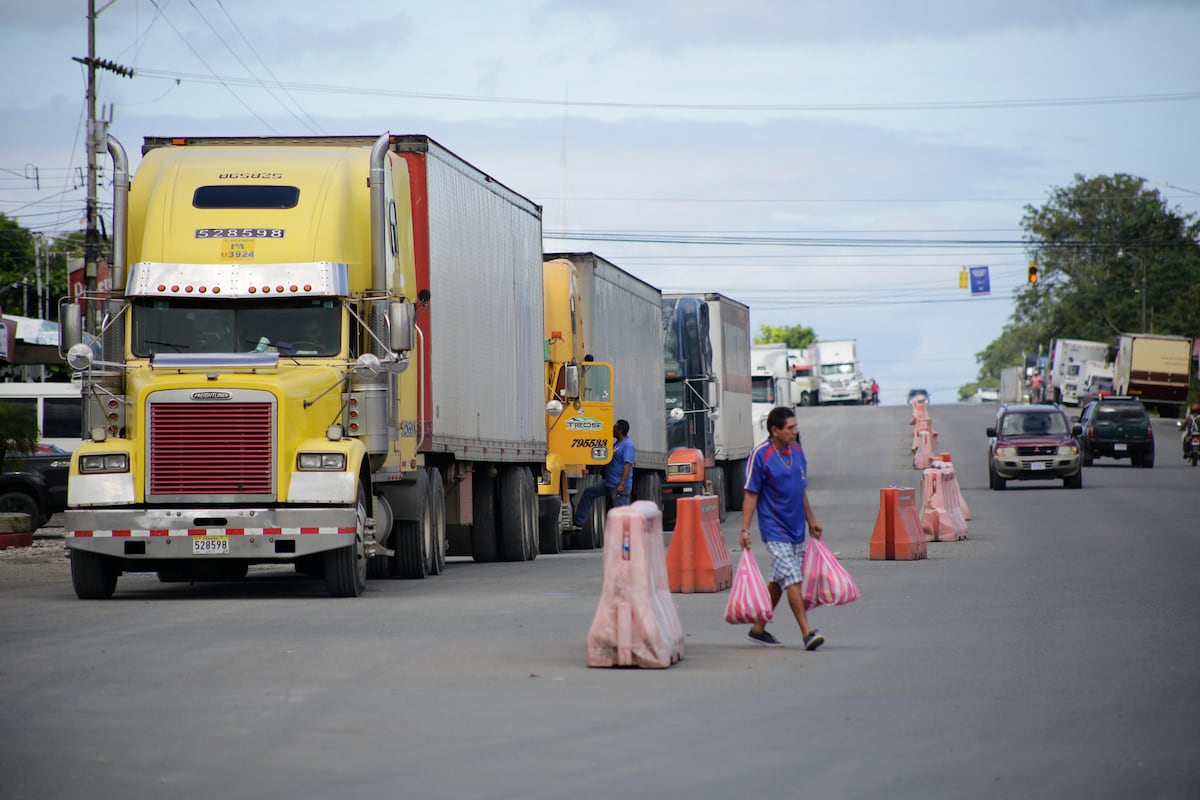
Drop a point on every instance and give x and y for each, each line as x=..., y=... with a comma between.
x=898, y=535
x=636, y=623
x=698, y=559
x=946, y=464
x=941, y=518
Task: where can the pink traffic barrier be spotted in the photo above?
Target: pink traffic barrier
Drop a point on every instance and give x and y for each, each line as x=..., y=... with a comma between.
x=923, y=454
x=636, y=623
x=941, y=518
x=946, y=465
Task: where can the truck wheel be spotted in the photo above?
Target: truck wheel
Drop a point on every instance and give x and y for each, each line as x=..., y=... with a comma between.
x=516, y=521
x=22, y=503
x=805, y=399
x=484, y=547
x=437, y=512
x=549, y=530
x=735, y=479
x=346, y=567
x=93, y=576
x=411, y=538
x=718, y=488
x=592, y=537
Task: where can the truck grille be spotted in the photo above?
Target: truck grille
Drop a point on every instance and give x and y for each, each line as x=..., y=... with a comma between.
x=201, y=450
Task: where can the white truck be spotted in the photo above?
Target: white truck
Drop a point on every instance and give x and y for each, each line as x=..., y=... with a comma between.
x=802, y=363
x=840, y=372
x=1094, y=377
x=770, y=383
x=1153, y=368
x=1067, y=357
x=1011, y=383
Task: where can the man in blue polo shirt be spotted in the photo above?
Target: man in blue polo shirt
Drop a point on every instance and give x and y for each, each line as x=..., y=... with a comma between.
x=618, y=475
x=776, y=479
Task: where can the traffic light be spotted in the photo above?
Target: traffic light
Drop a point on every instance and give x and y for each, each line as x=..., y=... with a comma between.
x=1033, y=276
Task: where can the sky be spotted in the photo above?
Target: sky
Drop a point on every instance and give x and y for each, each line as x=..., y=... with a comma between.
x=829, y=164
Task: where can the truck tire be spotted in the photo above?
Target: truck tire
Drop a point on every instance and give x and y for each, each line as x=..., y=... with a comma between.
x=437, y=509
x=346, y=567
x=518, y=521
x=549, y=529
x=592, y=537
x=735, y=479
x=648, y=486
x=93, y=576
x=380, y=566
x=412, y=539
x=484, y=547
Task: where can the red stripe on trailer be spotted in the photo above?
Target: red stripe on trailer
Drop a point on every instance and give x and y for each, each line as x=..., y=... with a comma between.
x=83, y=534
x=310, y=530
x=120, y=533
x=235, y=531
x=160, y=532
x=347, y=530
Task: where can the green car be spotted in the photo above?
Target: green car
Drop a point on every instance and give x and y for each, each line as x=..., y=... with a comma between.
x=1117, y=427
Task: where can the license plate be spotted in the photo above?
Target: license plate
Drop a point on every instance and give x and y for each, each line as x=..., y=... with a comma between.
x=210, y=545
x=1120, y=446
x=1037, y=465
x=1195, y=442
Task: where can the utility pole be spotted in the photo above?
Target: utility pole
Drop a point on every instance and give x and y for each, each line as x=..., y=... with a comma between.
x=97, y=142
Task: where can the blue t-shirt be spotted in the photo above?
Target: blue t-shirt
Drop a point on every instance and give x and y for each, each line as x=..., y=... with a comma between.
x=779, y=480
x=623, y=453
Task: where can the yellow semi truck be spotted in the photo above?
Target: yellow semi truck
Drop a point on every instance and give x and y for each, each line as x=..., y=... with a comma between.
x=320, y=352
x=604, y=361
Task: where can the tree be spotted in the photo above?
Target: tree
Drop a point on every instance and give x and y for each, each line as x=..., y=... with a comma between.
x=795, y=337
x=18, y=267
x=1106, y=247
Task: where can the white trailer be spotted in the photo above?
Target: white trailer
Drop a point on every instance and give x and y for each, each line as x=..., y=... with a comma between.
x=802, y=364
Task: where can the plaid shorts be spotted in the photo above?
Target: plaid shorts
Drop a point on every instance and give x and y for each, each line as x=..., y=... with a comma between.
x=787, y=563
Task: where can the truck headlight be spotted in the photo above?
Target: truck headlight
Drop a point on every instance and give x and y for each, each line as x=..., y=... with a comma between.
x=104, y=462
x=321, y=462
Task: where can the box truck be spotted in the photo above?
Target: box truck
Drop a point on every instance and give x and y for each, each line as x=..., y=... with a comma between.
x=1154, y=369
x=839, y=372
x=1067, y=357
x=604, y=362
x=320, y=351
x=802, y=363
x=770, y=383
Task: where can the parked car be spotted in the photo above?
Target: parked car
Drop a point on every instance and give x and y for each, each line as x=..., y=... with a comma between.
x=1117, y=427
x=1033, y=442
x=1101, y=387
x=34, y=484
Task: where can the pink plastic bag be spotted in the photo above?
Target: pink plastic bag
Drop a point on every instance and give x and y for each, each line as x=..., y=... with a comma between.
x=749, y=602
x=826, y=582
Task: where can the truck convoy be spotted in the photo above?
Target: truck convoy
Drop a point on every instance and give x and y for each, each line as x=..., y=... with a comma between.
x=326, y=353
x=706, y=340
x=1067, y=357
x=803, y=366
x=593, y=308
x=770, y=383
x=839, y=372
x=1154, y=369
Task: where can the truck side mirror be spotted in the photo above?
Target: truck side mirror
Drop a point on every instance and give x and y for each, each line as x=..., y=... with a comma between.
x=402, y=317
x=70, y=330
x=571, y=380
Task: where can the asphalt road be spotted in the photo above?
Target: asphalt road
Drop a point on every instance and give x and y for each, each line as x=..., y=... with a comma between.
x=1055, y=653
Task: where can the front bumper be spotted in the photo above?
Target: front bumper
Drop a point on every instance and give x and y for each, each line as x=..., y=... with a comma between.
x=259, y=535
x=1033, y=468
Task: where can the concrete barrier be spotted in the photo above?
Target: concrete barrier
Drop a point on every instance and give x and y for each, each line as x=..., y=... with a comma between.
x=898, y=535
x=16, y=530
x=941, y=518
x=636, y=623
x=943, y=462
x=698, y=559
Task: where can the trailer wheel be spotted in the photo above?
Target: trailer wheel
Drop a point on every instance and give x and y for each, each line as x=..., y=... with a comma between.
x=346, y=567
x=93, y=576
x=718, y=488
x=437, y=509
x=484, y=546
x=516, y=519
x=648, y=486
x=735, y=489
x=412, y=538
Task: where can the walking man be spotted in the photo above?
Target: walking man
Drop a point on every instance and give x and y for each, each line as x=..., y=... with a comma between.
x=618, y=475
x=776, y=480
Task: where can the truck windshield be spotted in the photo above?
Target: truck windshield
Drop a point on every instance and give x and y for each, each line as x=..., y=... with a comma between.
x=762, y=389
x=837, y=369
x=294, y=327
